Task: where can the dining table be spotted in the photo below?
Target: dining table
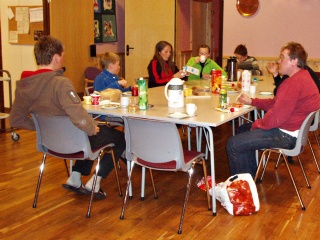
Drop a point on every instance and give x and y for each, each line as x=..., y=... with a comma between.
x=207, y=116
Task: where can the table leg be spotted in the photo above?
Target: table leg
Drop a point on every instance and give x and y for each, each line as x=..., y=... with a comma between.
x=209, y=139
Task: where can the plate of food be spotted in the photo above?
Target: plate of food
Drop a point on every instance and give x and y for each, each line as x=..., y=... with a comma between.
x=232, y=91
x=127, y=93
x=111, y=105
x=266, y=93
x=178, y=115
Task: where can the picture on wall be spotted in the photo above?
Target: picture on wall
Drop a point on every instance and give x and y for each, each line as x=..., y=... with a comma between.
x=97, y=28
x=109, y=28
x=108, y=6
x=97, y=6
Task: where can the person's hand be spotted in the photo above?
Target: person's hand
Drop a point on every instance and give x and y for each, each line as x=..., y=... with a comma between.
x=123, y=83
x=180, y=74
x=206, y=76
x=197, y=59
x=245, y=99
x=272, y=68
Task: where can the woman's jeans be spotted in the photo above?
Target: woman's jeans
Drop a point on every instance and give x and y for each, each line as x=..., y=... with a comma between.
x=241, y=147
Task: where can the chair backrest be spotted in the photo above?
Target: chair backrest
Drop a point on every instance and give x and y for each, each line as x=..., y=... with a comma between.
x=154, y=144
x=89, y=90
x=92, y=72
x=302, y=136
x=315, y=123
x=57, y=134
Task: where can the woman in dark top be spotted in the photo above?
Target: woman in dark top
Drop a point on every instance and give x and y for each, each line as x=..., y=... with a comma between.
x=161, y=68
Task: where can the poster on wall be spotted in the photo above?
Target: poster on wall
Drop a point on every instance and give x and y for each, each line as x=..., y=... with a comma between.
x=108, y=7
x=97, y=28
x=109, y=28
x=105, y=25
x=97, y=6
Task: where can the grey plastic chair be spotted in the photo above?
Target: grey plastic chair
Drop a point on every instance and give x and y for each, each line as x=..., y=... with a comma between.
x=141, y=149
x=299, y=147
x=313, y=128
x=58, y=137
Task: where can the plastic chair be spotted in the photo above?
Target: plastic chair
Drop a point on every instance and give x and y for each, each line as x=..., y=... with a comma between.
x=58, y=137
x=314, y=128
x=89, y=90
x=141, y=150
x=90, y=74
x=299, y=147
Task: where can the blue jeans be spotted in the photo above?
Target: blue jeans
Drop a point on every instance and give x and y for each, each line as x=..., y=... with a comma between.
x=241, y=147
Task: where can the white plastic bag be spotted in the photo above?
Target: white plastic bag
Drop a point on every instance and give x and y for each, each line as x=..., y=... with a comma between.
x=238, y=195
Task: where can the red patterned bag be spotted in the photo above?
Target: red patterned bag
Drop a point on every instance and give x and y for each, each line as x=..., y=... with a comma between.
x=238, y=195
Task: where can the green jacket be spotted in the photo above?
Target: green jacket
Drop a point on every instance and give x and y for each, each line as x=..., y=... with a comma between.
x=209, y=65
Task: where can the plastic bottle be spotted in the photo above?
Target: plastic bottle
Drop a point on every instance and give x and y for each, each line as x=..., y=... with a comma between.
x=143, y=93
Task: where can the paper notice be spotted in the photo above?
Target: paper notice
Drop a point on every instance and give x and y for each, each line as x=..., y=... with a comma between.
x=36, y=14
x=10, y=13
x=13, y=37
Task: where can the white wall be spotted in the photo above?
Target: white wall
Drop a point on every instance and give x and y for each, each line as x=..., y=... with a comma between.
x=275, y=23
x=15, y=58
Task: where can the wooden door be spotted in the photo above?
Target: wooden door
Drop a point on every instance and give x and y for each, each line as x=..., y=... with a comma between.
x=146, y=23
x=72, y=23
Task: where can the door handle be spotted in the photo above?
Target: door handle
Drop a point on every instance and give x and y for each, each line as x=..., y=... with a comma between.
x=127, y=49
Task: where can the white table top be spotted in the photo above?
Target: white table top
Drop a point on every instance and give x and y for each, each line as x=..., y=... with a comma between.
x=207, y=115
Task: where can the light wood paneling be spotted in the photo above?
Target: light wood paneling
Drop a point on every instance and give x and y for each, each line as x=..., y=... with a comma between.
x=72, y=22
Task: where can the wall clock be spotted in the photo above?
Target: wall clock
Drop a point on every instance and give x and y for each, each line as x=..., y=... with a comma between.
x=247, y=8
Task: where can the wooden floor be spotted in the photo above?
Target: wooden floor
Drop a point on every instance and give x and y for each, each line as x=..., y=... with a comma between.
x=61, y=214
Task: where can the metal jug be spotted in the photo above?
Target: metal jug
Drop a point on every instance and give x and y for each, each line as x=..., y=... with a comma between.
x=174, y=93
x=232, y=69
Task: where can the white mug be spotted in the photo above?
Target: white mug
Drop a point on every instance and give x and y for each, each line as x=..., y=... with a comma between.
x=191, y=109
x=87, y=100
x=125, y=101
x=253, y=89
x=202, y=58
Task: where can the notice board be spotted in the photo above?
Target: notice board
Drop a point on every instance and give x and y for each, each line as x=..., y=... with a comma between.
x=25, y=24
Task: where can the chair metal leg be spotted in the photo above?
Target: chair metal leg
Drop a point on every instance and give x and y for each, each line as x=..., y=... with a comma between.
x=294, y=184
x=127, y=190
x=264, y=163
x=94, y=184
x=39, y=181
x=143, y=182
x=204, y=167
x=65, y=163
x=190, y=171
x=153, y=185
x=304, y=173
x=110, y=151
x=314, y=156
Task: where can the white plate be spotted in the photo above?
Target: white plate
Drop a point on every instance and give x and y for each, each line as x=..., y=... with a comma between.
x=111, y=105
x=246, y=106
x=233, y=91
x=266, y=93
x=178, y=115
x=104, y=102
x=127, y=93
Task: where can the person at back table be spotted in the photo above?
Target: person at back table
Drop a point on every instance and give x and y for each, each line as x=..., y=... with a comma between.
x=108, y=78
x=284, y=115
x=204, y=67
x=246, y=62
x=46, y=91
x=161, y=68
